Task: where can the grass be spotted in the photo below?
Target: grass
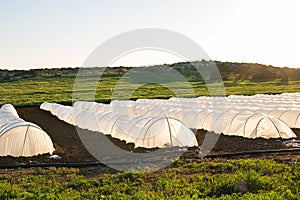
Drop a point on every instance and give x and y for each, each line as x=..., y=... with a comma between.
x=188, y=179
x=34, y=91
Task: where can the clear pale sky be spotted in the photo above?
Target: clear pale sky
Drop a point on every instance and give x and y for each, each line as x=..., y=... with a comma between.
x=62, y=33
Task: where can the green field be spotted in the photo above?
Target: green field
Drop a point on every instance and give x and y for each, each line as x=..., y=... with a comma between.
x=34, y=91
x=210, y=179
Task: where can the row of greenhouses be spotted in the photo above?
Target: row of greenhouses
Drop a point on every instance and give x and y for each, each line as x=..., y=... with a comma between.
x=234, y=121
x=143, y=131
x=158, y=123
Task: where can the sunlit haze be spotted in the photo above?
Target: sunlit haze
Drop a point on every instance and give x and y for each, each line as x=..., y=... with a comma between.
x=55, y=33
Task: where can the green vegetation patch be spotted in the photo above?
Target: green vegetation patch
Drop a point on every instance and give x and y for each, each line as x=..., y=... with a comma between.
x=184, y=179
x=34, y=91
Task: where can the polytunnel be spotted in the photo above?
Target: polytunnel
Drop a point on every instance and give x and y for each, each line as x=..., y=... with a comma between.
x=147, y=132
x=160, y=132
x=64, y=113
x=255, y=125
x=21, y=138
x=47, y=106
x=207, y=113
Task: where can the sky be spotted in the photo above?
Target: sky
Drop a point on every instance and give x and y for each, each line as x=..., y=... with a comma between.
x=63, y=33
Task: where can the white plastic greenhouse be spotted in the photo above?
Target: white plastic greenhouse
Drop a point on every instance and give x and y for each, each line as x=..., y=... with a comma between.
x=148, y=132
x=248, y=122
x=265, y=116
x=21, y=138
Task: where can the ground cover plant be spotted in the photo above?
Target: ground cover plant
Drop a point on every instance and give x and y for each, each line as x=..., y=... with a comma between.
x=184, y=179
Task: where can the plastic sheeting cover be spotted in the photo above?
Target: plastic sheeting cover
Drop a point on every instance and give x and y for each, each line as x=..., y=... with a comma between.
x=20, y=138
x=148, y=132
